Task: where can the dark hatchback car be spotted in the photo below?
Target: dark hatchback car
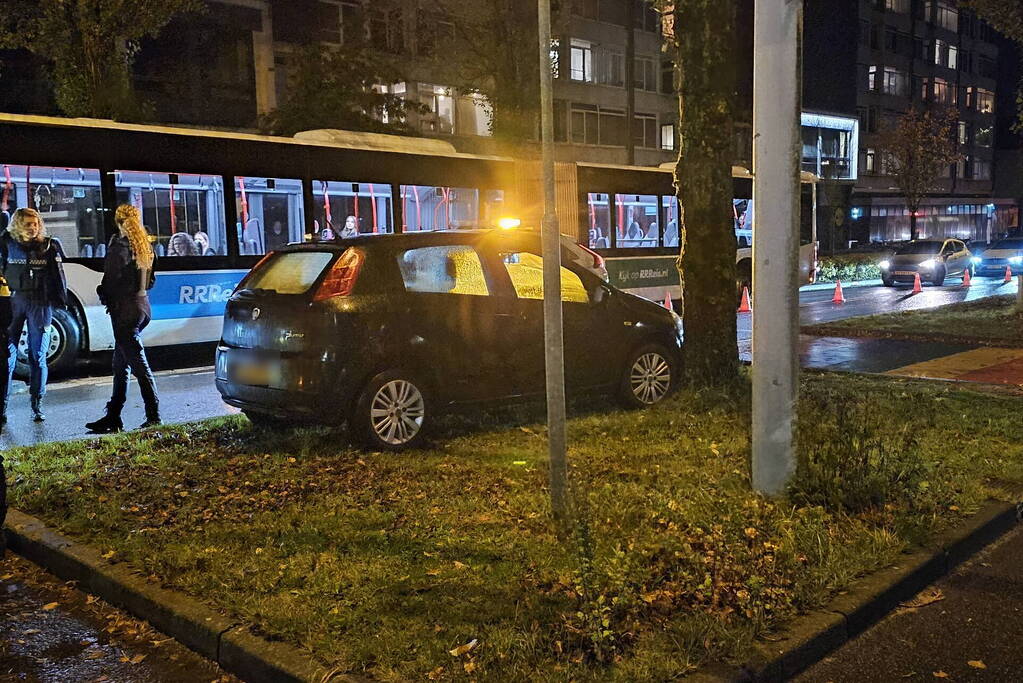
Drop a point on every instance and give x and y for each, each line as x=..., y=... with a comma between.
x=385, y=331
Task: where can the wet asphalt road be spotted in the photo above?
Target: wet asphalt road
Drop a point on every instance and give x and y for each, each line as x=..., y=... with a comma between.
x=972, y=630
x=51, y=632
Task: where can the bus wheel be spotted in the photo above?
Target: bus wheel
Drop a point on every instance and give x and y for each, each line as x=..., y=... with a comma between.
x=62, y=352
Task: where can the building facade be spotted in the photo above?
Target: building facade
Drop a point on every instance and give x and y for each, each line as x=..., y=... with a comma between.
x=928, y=53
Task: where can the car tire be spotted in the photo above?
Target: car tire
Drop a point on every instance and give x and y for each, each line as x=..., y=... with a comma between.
x=393, y=412
x=939, y=276
x=887, y=281
x=65, y=345
x=267, y=421
x=650, y=375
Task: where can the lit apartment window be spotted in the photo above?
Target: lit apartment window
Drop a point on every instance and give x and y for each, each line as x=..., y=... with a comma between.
x=870, y=162
x=871, y=77
x=668, y=136
x=985, y=101
x=895, y=81
x=582, y=61
x=440, y=117
x=901, y=6
x=941, y=92
x=555, y=57
x=964, y=132
x=940, y=52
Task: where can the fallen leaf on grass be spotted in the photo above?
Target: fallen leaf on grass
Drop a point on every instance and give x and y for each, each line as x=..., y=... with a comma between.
x=95, y=654
x=463, y=649
x=436, y=674
x=6, y=577
x=469, y=666
x=31, y=631
x=939, y=674
x=977, y=664
x=51, y=605
x=137, y=659
x=459, y=565
x=107, y=555
x=89, y=599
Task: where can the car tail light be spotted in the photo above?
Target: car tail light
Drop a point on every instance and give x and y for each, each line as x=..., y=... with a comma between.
x=598, y=260
x=341, y=278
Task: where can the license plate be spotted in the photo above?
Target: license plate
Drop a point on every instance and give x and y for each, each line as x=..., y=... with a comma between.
x=904, y=272
x=257, y=374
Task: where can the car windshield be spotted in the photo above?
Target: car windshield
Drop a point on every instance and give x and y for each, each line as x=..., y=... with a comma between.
x=919, y=248
x=288, y=272
x=1016, y=244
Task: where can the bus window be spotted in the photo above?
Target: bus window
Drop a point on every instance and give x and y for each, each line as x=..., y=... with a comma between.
x=270, y=212
x=439, y=208
x=598, y=211
x=69, y=200
x=346, y=209
x=637, y=220
x=183, y=212
x=742, y=215
x=671, y=221
x=492, y=208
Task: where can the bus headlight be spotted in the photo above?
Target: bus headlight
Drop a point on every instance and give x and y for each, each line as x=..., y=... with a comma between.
x=509, y=223
x=885, y=265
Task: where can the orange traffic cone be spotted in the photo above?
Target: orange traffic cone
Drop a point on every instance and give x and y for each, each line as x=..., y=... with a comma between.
x=917, y=288
x=1008, y=274
x=667, y=301
x=744, y=306
x=839, y=297
x=966, y=278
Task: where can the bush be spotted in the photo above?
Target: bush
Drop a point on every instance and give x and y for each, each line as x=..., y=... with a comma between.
x=848, y=267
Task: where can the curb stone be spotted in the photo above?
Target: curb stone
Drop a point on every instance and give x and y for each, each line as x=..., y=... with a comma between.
x=813, y=636
x=806, y=641
x=200, y=628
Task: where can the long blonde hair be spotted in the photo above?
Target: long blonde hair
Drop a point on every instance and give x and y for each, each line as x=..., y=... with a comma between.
x=129, y=220
x=17, y=226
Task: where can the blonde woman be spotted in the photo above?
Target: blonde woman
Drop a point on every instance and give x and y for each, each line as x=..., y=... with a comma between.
x=31, y=263
x=127, y=278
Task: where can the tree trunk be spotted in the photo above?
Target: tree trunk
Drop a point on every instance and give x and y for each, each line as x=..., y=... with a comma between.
x=914, y=233
x=704, y=180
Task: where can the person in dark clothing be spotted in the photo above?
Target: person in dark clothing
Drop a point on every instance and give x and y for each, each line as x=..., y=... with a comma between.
x=32, y=265
x=127, y=277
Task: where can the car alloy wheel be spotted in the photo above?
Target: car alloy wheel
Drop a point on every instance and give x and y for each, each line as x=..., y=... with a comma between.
x=650, y=377
x=397, y=410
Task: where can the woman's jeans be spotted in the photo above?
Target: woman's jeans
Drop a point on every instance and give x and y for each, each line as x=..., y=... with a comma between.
x=38, y=318
x=129, y=317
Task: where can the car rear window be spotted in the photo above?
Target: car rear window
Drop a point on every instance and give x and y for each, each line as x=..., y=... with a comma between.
x=289, y=272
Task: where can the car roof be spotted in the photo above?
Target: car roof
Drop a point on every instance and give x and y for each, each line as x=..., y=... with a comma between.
x=412, y=239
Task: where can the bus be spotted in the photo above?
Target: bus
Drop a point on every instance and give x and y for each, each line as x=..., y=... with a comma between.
x=216, y=202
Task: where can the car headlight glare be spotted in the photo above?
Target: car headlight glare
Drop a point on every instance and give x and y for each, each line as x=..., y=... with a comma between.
x=1016, y=260
x=976, y=259
x=929, y=263
x=885, y=265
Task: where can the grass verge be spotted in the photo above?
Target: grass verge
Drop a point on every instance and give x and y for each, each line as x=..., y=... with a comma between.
x=991, y=321
x=443, y=563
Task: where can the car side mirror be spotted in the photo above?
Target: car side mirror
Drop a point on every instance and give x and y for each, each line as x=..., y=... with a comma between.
x=599, y=294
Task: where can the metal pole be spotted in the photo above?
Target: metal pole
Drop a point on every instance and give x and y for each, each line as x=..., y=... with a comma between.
x=554, y=354
x=776, y=165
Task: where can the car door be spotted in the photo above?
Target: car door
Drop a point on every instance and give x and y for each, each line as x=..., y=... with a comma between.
x=521, y=264
x=454, y=318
